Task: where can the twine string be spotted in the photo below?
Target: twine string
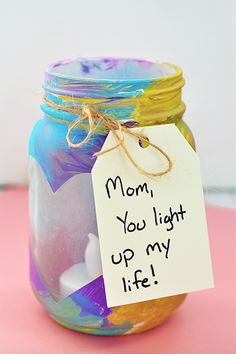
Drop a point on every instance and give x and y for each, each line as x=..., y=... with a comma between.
x=90, y=114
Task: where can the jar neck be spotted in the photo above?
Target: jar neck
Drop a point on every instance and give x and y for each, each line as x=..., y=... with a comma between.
x=146, y=93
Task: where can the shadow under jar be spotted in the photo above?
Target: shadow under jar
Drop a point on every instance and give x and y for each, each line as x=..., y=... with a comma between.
x=65, y=263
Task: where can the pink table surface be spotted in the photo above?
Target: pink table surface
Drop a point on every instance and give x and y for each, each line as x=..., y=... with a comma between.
x=204, y=324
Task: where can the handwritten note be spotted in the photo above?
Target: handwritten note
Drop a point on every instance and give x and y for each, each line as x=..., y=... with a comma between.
x=152, y=231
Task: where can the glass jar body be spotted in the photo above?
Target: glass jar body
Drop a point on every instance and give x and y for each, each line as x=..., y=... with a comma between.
x=64, y=250
x=65, y=263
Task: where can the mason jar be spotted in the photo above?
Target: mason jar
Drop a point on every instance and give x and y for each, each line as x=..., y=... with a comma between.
x=65, y=262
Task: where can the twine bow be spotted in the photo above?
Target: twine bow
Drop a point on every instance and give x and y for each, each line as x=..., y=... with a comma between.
x=93, y=116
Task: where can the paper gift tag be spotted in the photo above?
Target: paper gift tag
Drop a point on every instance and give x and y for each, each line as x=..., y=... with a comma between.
x=152, y=231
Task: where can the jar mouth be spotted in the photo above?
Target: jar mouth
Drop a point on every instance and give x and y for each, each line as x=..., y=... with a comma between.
x=121, y=87
x=111, y=69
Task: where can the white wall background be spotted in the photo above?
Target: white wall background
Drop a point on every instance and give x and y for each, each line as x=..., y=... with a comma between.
x=198, y=35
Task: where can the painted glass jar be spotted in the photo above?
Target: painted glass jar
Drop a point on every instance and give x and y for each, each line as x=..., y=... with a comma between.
x=65, y=264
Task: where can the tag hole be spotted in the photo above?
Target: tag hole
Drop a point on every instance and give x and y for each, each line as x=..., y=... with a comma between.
x=142, y=143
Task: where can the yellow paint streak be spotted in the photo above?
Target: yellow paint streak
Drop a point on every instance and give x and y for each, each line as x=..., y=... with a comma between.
x=147, y=314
